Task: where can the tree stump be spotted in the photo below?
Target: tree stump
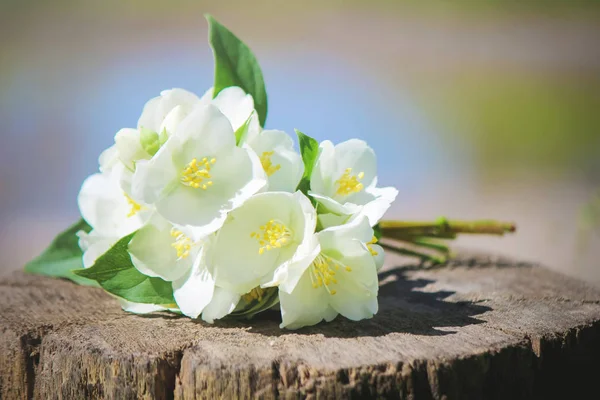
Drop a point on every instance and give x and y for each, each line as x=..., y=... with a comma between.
x=476, y=328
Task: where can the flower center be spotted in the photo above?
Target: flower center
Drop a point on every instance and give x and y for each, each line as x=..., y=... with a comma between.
x=373, y=241
x=255, y=294
x=197, y=173
x=322, y=272
x=135, y=207
x=272, y=235
x=349, y=183
x=265, y=160
x=182, y=243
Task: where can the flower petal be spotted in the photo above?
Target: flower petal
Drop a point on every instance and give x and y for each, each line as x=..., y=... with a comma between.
x=204, y=132
x=222, y=304
x=108, y=158
x=329, y=220
x=142, y=308
x=287, y=275
x=321, y=178
x=194, y=291
x=104, y=205
x=356, y=290
x=152, y=177
x=337, y=237
x=353, y=159
x=276, y=150
x=185, y=206
x=330, y=205
x=376, y=209
x=149, y=116
x=356, y=154
x=207, y=209
x=130, y=147
x=207, y=96
x=235, y=104
x=157, y=108
x=239, y=263
x=173, y=119
x=379, y=255
x=304, y=306
x=93, y=246
x=152, y=253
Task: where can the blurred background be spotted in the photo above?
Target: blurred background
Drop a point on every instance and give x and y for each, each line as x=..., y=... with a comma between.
x=476, y=109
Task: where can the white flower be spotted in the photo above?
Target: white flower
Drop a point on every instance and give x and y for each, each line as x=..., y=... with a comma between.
x=161, y=116
x=112, y=214
x=341, y=279
x=270, y=233
x=107, y=208
x=160, y=249
x=199, y=174
x=159, y=119
x=282, y=164
x=344, y=182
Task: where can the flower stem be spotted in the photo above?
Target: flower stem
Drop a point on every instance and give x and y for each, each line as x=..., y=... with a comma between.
x=423, y=256
x=427, y=235
x=444, y=228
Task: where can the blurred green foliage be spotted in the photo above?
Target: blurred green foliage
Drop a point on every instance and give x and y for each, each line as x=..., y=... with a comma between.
x=525, y=120
x=269, y=5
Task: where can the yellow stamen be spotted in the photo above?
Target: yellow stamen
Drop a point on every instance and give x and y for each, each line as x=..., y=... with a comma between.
x=323, y=270
x=348, y=184
x=182, y=243
x=274, y=235
x=373, y=241
x=135, y=207
x=197, y=173
x=265, y=160
x=255, y=294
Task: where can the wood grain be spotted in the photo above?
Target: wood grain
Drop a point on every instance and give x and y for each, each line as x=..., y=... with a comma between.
x=479, y=327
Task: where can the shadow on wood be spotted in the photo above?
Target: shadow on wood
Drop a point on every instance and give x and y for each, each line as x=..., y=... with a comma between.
x=402, y=309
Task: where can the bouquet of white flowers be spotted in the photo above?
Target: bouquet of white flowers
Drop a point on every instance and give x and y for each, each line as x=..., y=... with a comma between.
x=200, y=211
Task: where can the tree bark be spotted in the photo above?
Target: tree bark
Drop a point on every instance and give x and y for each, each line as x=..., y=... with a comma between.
x=479, y=327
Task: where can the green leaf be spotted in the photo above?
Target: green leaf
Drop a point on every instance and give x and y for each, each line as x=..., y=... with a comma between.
x=309, y=149
x=377, y=232
x=62, y=256
x=242, y=131
x=248, y=309
x=235, y=65
x=115, y=272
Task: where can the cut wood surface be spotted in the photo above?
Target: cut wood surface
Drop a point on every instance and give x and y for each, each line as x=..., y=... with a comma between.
x=479, y=327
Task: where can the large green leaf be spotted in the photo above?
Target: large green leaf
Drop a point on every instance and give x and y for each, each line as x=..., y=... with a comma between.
x=235, y=65
x=62, y=256
x=309, y=149
x=115, y=272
